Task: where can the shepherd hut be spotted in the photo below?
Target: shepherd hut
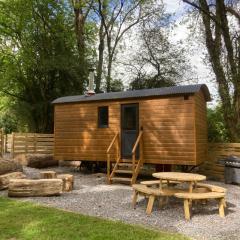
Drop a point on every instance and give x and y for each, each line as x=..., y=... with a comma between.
x=131, y=128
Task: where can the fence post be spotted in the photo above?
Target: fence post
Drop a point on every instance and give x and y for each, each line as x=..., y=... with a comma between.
x=12, y=145
x=2, y=142
x=35, y=143
x=26, y=143
x=5, y=143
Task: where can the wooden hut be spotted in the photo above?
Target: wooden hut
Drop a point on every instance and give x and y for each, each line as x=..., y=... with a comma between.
x=157, y=126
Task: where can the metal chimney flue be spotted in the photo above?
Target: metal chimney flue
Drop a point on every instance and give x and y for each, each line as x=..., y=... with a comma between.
x=91, y=91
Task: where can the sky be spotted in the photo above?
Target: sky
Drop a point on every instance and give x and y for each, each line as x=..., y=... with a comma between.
x=181, y=32
x=174, y=6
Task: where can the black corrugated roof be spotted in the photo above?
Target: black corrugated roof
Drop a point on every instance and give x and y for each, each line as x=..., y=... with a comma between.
x=165, y=91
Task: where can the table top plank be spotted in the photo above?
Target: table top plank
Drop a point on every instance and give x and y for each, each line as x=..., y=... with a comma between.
x=179, y=176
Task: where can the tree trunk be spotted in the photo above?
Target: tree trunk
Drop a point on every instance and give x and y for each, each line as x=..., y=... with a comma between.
x=42, y=121
x=80, y=35
x=34, y=188
x=5, y=178
x=67, y=181
x=48, y=174
x=214, y=50
x=109, y=73
x=36, y=160
x=100, y=58
x=101, y=47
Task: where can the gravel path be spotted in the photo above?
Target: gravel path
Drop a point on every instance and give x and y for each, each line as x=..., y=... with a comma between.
x=92, y=196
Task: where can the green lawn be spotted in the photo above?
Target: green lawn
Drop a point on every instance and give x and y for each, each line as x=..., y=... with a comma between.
x=21, y=220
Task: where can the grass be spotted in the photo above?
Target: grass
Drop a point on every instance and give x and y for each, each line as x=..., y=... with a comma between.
x=24, y=220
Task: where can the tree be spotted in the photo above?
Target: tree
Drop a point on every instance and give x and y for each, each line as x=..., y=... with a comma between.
x=116, y=86
x=157, y=62
x=217, y=131
x=38, y=59
x=118, y=17
x=222, y=41
x=8, y=120
x=81, y=11
x=101, y=48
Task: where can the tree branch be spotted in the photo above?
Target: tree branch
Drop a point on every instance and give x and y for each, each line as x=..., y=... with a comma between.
x=201, y=9
x=13, y=95
x=234, y=13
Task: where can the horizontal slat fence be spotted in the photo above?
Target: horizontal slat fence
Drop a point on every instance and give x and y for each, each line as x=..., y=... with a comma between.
x=18, y=143
x=217, y=151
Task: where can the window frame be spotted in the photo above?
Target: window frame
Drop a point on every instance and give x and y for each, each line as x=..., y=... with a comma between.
x=99, y=117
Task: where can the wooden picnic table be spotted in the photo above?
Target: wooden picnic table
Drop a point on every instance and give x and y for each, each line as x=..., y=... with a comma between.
x=190, y=178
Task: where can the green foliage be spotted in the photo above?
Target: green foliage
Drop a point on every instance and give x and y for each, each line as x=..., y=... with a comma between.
x=8, y=120
x=23, y=220
x=38, y=59
x=8, y=123
x=145, y=82
x=116, y=85
x=41, y=42
x=217, y=131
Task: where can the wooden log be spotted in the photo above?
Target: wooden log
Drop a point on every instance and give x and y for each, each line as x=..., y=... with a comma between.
x=5, y=178
x=36, y=160
x=68, y=180
x=7, y=166
x=67, y=163
x=48, y=174
x=34, y=188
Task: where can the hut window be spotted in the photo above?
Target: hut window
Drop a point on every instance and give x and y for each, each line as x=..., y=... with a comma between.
x=103, y=117
x=186, y=97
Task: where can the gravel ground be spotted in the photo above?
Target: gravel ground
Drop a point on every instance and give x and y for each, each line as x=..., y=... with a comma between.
x=92, y=196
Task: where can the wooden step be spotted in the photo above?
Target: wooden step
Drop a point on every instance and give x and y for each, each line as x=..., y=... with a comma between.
x=123, y=171
x=125, y=165
x=121, y=179
x=128, y=161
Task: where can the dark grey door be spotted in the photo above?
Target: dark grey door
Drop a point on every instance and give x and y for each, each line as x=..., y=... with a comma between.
x=129, y=128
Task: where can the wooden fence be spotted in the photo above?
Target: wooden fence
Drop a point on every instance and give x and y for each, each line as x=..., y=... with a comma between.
x=17, y=143
x=217, y=151
x=1, y=142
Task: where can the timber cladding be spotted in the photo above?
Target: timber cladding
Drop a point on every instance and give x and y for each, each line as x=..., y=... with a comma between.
x=173, y=126
x=201, y=134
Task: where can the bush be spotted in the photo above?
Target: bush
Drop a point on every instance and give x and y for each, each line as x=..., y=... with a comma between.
x=217, y=131
x=8, y=122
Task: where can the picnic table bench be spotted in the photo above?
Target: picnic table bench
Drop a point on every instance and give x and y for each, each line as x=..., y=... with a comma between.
x=188, y=197
x=212, y=188
x=152, y=193
x=165, y=187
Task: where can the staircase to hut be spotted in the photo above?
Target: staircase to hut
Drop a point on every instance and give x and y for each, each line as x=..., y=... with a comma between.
x=124, y=170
